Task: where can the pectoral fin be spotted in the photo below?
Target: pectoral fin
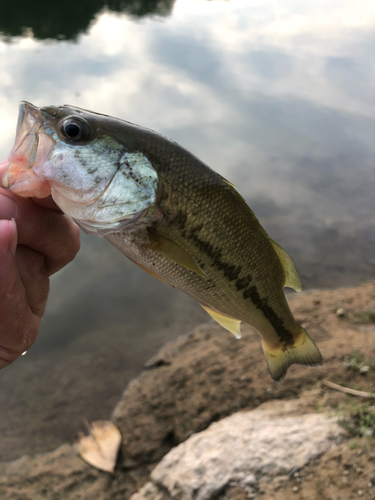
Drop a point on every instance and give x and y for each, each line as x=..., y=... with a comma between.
x=231, y=324
x=291, y=275
x=174, y=252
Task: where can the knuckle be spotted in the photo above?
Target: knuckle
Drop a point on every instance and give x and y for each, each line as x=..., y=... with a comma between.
x=36, y=266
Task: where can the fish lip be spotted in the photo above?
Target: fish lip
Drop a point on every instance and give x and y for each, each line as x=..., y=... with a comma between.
x=28, y=117
x=29, y=141
x=31, y=149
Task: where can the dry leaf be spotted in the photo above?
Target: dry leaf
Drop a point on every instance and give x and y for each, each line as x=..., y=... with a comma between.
x=100, y=448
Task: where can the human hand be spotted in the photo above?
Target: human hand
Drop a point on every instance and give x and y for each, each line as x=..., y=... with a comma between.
x=36, y=240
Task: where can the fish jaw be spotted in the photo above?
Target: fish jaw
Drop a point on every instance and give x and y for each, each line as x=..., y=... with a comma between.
x=32, y=147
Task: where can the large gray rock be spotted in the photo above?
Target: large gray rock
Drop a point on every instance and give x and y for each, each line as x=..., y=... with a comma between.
x=264, y=441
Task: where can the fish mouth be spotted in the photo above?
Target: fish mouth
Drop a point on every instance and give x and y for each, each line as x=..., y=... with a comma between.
x=31, y=148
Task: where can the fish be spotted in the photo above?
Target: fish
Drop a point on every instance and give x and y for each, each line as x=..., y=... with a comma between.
x=169, y=213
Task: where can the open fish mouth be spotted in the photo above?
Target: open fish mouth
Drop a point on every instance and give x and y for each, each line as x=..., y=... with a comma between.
x=32, y=148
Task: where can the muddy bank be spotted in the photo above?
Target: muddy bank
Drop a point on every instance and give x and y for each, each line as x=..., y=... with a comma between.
x=208, y=375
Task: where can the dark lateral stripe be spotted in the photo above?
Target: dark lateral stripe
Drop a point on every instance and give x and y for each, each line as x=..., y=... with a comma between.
x=179, y=219
x=230, y=271
x=242, y=283
x=284, y=335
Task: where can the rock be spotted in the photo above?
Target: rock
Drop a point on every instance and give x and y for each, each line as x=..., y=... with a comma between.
x=151, y=492
x=340, y=312
x=59, y=474
x=238, y=448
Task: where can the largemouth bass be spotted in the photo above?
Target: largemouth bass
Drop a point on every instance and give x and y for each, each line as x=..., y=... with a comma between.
x=166, y=211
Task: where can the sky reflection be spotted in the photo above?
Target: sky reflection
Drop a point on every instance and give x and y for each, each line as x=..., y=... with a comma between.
x=279, y=98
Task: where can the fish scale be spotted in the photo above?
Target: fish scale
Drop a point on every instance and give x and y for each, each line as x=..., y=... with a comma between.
x=189, y=226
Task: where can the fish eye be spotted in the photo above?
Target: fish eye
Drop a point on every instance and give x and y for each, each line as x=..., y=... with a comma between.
x=75, y=129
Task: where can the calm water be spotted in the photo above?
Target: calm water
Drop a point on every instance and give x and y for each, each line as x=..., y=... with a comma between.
x=279, y=99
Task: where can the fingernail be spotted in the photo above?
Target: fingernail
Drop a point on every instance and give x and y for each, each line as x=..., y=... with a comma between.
x=8, y=208
x=13, y=238
x=5, y=180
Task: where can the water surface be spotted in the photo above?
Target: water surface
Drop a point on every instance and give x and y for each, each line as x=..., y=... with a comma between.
x=277, y=98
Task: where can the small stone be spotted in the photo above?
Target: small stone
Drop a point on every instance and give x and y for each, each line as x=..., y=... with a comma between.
x=340, y=312
x=345, y=473
x=360, y=493
x=295, y=489
x=370, y=485
x=251, y=480
x=364, y=369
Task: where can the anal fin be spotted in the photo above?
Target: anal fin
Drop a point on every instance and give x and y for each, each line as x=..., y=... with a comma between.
x=227, y=322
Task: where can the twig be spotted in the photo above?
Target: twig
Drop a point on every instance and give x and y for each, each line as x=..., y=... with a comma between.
x=361, y=394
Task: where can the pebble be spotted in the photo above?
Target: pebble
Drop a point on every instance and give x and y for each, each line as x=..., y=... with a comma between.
x=295, y=489
x=360, y=493
x=340, y=312
x=345, y=473
x=364, y=369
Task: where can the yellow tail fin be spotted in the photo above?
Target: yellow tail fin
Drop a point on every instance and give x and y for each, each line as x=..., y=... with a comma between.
x=303, y=352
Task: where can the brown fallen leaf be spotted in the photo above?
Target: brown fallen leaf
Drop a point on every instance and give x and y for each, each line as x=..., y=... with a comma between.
x=100, y=448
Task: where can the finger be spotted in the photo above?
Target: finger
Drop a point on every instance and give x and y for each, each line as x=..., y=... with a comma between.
x=47, y=203
x=46, y=231
x=19, y=325
x=34, y=276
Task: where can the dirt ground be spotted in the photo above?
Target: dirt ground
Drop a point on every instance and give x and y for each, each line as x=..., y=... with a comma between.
x=210, y=375
x=207, y=375
x=342, y=322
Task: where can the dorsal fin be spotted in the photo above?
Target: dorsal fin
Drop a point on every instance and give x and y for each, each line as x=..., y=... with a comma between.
x=228, y=182
x=241, y=199
x=291, y=275
x=227, y=322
